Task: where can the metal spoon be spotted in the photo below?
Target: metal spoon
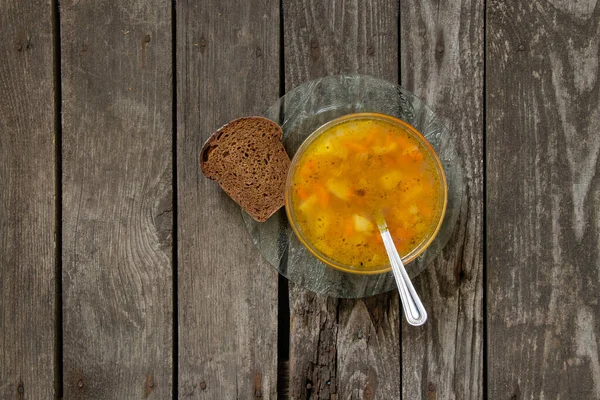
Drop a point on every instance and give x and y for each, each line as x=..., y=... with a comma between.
x=411, y=303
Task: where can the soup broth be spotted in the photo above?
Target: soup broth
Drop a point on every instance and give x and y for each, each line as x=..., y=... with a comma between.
x=352, y=171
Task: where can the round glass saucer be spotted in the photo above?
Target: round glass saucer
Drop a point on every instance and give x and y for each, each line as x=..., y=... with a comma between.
x=300, y=112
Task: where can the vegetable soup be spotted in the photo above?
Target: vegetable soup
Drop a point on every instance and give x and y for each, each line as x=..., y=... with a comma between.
x=351, y=170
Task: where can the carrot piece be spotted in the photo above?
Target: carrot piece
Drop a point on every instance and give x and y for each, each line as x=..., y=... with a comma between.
x=416, y=155
x=390, y=161
x=302, y=192
x=322, y=196
x=401, y=234
x=426, y=212
x=349, y=228
x=374, y=133
x=356, y=147
x=307, y=168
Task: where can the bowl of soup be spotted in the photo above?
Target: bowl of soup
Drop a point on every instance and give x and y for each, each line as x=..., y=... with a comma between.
x=356, y=167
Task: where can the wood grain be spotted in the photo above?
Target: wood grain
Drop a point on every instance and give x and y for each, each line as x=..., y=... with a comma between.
x=544, y=231
x=117, y=191
x=227, y=67
x=347, y=349
x=27, y=202
x=442, y=62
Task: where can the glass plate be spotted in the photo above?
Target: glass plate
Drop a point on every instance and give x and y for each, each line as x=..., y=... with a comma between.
x=300, y=112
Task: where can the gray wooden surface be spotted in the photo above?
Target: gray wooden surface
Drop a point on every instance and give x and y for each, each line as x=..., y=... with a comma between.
x=125, y=274
x=227, y=66
x=28, y=129
x=117, y=199
x=442, y=62
x=544, y=232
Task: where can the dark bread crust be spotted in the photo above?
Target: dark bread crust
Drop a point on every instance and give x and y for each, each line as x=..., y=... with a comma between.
x=248, y=160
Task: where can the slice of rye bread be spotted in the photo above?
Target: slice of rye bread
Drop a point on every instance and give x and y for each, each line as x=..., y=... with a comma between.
x=247, y=159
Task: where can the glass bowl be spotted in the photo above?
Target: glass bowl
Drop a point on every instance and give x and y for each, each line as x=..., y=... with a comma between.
x=300, y=113
x=420, y=247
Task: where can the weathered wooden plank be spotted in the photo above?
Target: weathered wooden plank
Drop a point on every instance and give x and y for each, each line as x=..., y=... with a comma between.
x=442, y=62
x=117, y=191
x=543, y=193
x=227, y=67
x=27, y=201
x=343, y=348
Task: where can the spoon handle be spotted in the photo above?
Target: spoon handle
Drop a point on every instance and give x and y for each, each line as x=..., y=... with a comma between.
x=411, y=303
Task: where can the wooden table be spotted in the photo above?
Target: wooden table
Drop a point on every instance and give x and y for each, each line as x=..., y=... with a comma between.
x=125, y=274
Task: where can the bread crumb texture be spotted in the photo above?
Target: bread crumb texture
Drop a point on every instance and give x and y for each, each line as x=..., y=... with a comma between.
x=248, y=160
